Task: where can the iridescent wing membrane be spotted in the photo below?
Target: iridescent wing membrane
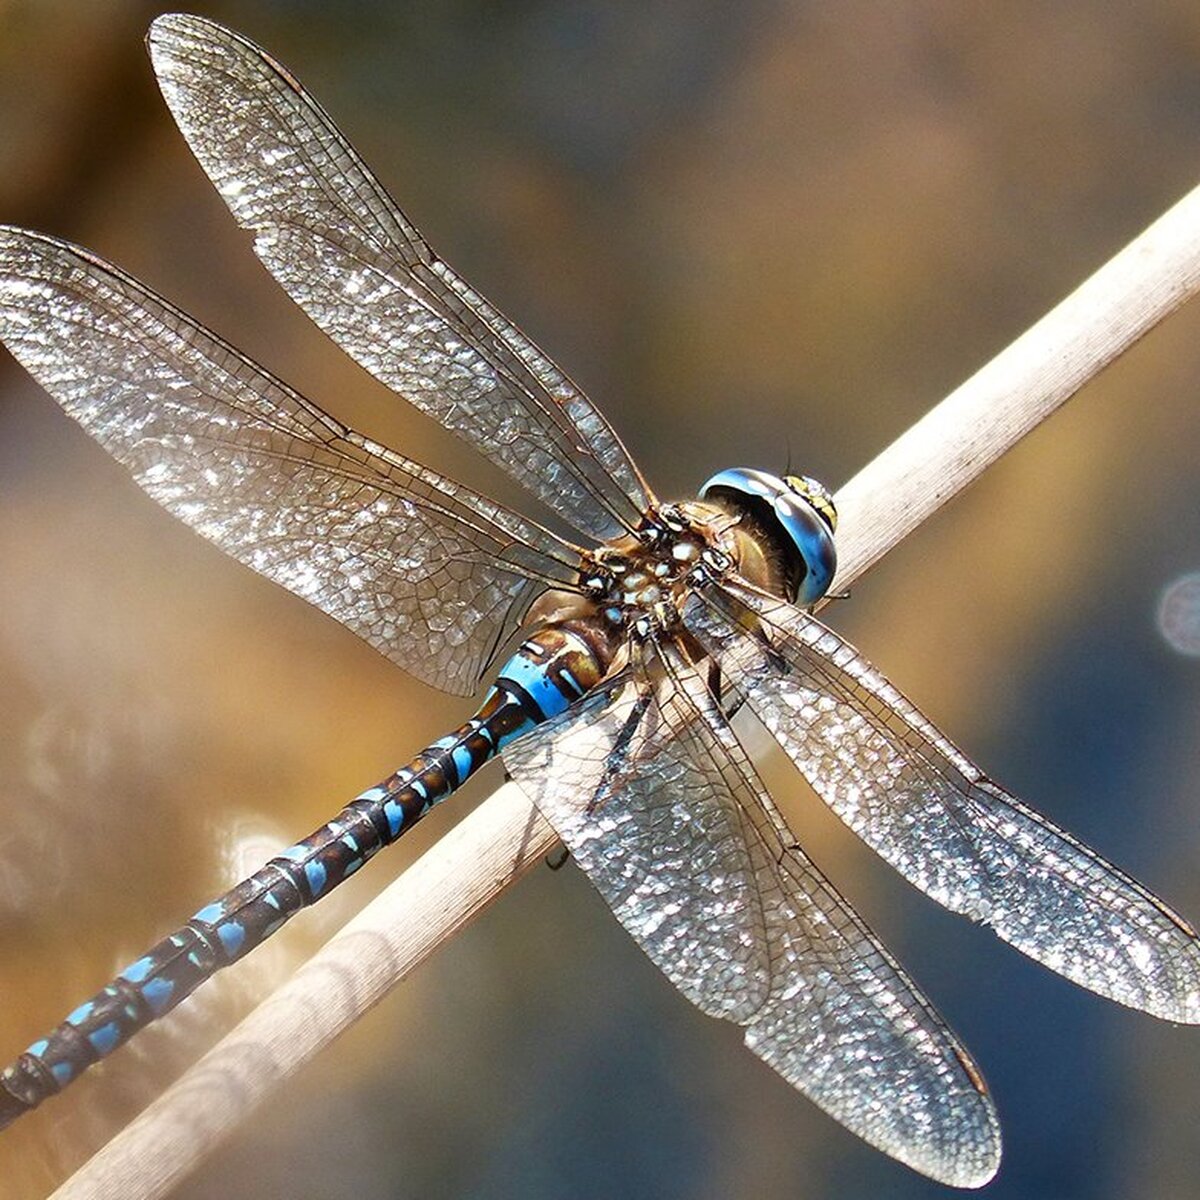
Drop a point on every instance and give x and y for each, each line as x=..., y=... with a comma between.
x=654, y=795
x=329, y=232
x=431, y=574
x=930, y=812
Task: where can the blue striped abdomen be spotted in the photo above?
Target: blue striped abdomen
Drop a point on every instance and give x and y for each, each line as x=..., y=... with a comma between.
x=555, y=667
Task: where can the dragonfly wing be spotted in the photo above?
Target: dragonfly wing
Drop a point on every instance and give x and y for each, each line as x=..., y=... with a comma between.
x=430, y=574
x=658, y=802
x=842, y=1021
x=652, y=820
x=846, y=1025
x=930, y=812
x=332, y=236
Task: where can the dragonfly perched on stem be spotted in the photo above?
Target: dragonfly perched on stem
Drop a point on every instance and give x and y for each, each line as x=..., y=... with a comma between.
x=644, y=631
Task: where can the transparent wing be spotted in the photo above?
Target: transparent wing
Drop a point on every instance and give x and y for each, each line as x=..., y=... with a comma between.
x=843, y=1022
x=652, y=820
x=658, y=802
x=335, y=240
x=429, y=573
x=847, y=1026
x=931, y=813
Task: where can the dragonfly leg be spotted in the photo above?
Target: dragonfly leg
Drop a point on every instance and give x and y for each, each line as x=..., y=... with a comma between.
x=559, y=858
x=616, y=763
x=730, y=707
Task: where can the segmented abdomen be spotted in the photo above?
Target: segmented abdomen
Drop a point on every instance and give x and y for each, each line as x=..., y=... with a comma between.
x=551, y=670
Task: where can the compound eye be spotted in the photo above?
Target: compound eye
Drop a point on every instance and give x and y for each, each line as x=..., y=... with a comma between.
x=801, y=513
x=811, y=535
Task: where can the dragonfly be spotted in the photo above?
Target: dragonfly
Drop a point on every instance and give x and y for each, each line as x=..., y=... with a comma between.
x=640, y=637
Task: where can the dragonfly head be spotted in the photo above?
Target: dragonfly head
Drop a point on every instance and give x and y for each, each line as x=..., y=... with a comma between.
x=795, y=514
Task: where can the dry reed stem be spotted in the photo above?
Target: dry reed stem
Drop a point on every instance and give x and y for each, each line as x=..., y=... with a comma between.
x=504, y=836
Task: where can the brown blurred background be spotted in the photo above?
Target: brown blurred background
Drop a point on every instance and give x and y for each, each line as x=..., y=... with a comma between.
x=746, y=229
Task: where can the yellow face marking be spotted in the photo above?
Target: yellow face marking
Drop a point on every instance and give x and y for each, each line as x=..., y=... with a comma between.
x=817, y=494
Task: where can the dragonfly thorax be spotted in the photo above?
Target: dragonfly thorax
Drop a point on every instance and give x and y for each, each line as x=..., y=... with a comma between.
x=639, y=582
x=775, y=534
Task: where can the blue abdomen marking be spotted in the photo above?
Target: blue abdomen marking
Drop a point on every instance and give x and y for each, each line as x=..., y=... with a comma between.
x=157, y=993
x=81, y=1014
x=232, y=935
x=393, y=810
x=105, y=1039
x=464, y=762
x=137, y=971
x=314, y=872
x=526, y=673
x=210, y=914
x=540, y=681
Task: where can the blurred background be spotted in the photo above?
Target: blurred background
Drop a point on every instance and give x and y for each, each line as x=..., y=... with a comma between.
x=746, y=230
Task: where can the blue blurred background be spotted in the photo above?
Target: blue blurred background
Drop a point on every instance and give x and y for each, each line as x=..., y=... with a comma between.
x=745, y=229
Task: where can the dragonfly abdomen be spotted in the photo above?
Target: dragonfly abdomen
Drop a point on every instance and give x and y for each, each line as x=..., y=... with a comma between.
x=555, y=667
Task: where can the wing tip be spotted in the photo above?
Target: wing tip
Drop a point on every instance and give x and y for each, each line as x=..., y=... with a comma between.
x=170, y=27
x=977, y=1177
x=970, y=1164
x=1181, y=1006
x=172, y=35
